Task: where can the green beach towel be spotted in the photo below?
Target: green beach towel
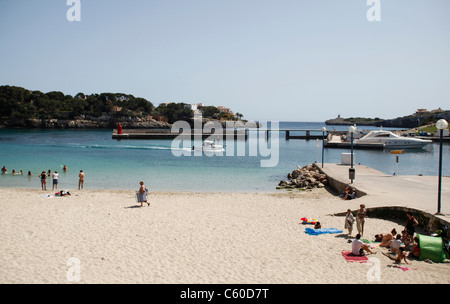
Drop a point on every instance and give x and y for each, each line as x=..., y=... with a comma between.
x=369, y=241
x=431, y=248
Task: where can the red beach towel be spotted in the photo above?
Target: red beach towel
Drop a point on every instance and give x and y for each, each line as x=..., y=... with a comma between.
x=350, y=257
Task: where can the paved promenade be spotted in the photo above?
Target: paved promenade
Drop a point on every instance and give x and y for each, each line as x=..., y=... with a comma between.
x=382, y=190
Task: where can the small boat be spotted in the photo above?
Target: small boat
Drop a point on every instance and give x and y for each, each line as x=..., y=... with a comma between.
x=209, y=146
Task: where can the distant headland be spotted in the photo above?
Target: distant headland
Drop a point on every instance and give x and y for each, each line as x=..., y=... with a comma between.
x=417, y=119
x=23, y=108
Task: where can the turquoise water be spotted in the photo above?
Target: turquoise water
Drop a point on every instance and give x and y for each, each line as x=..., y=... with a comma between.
x=113, y=164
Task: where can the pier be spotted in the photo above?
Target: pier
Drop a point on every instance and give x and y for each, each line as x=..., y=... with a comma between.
x=234, y=133
x=348, y=145
x=168, y=134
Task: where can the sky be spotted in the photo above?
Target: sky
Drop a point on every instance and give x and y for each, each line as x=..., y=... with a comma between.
x=270, y=60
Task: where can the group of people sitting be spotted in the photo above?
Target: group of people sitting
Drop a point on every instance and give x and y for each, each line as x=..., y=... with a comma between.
x=397, y=243
x=348, y=194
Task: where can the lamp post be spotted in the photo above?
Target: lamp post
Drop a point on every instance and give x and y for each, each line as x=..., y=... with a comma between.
x=440, y=125
x=323, y=141
x=351, y=171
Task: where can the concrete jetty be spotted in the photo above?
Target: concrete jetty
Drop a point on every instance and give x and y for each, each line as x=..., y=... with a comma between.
x=394, y=195
x=169, y=134
x=232, y=133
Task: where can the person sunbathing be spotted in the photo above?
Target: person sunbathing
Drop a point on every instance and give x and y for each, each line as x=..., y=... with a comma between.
x=400, y=256
x=386, y=239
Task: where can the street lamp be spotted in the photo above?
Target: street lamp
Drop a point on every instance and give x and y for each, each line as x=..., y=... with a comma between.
x=440, y=125
x=323, y=141
x=351, y=171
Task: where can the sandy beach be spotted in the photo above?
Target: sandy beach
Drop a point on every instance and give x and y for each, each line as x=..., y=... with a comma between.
x=189, y=238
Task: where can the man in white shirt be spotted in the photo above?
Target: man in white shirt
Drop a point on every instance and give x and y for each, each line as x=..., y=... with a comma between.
x=358, y=246
x=55, y=177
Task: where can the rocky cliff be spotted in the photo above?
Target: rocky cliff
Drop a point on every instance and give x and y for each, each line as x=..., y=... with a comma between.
x=410, y=121
x=104, y=121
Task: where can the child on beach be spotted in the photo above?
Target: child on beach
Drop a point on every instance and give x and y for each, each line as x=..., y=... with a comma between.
x=349, y=220
x=415, y=248
x=406, y=239
x=142, y=197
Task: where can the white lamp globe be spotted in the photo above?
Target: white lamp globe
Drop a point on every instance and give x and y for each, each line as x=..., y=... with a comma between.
x=352, y=129
x=442, y=124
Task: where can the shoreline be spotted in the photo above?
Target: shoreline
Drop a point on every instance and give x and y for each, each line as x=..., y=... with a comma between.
x=188, y=238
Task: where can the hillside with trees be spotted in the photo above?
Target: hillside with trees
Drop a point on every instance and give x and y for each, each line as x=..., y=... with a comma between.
x=20, y=107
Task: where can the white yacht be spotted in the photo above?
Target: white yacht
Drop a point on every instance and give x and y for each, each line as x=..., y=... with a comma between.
x=209, y=146
x=391, y=140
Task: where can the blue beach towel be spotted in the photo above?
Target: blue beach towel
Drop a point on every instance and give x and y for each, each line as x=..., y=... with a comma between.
x=311, y=231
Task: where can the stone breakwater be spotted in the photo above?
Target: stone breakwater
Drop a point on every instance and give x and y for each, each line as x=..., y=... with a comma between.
x=306, y=178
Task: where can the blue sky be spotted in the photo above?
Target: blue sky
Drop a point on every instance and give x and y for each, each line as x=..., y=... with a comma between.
x=294, y=60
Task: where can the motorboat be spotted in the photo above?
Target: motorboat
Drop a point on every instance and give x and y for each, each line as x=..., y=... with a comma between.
x=209, y=146
x=391, y=140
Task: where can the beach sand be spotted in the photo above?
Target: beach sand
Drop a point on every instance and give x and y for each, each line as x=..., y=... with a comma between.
x=189, y=238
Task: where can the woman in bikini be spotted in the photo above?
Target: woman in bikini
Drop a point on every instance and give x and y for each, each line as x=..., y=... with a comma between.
x=360, y=218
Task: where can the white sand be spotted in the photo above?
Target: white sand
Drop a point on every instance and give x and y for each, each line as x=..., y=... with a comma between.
x=188, y=238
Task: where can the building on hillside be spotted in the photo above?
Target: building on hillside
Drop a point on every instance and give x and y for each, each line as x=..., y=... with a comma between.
x=194, y=107
x=225, y=110
x=438, y=110
x=421, y=112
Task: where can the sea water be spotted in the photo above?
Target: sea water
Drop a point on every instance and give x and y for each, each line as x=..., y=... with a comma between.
x=121, y=164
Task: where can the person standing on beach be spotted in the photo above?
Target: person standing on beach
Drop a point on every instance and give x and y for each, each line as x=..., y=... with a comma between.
x=360, y=218
x=411, y=224
x=81, y=180
x=55, y=178
x=143, y=194
x=349, y=220
x=43, y=177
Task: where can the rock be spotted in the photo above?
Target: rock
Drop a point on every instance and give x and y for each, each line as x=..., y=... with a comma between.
x=307, y=177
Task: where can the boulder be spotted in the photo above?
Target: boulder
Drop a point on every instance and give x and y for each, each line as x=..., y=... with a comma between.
x=307, y=177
